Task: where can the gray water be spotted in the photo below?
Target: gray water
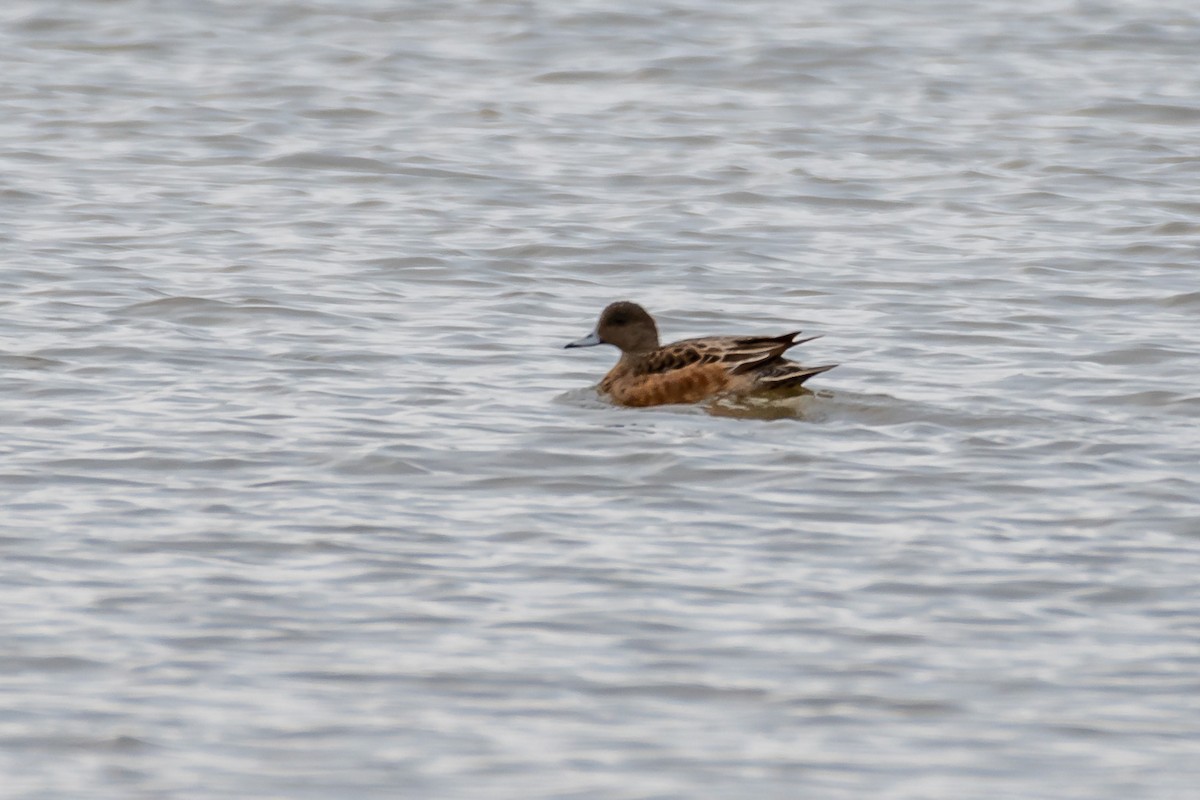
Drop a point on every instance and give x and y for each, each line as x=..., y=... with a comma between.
x=303, y=499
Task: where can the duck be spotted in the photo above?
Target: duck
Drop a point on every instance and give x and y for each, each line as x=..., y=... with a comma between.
x=691, y=370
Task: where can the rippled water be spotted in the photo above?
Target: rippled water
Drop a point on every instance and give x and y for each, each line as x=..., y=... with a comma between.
x=303, y=499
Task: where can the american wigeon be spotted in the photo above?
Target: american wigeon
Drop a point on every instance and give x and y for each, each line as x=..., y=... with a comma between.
x=650, y=374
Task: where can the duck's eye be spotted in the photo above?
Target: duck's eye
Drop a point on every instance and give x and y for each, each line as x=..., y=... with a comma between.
x=618, y=319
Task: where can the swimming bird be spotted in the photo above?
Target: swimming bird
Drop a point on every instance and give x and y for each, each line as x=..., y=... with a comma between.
x=650, y=374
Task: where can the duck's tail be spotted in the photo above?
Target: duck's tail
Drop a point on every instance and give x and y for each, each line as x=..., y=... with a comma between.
x=787, y=375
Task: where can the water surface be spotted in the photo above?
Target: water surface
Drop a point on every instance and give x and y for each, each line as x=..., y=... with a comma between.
x=302, y=497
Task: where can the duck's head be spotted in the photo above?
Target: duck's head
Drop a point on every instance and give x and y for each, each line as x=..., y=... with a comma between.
x=624, y=325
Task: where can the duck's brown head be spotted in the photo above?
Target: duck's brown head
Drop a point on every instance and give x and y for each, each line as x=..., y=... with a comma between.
x=625, y=325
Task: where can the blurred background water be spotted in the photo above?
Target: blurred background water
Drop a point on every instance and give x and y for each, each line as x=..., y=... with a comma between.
x=303, y=499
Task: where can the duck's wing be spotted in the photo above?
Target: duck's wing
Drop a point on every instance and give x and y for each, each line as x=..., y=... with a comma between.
x=738, y=354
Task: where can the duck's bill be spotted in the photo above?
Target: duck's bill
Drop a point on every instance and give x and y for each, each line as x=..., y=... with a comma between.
x=591, y=340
